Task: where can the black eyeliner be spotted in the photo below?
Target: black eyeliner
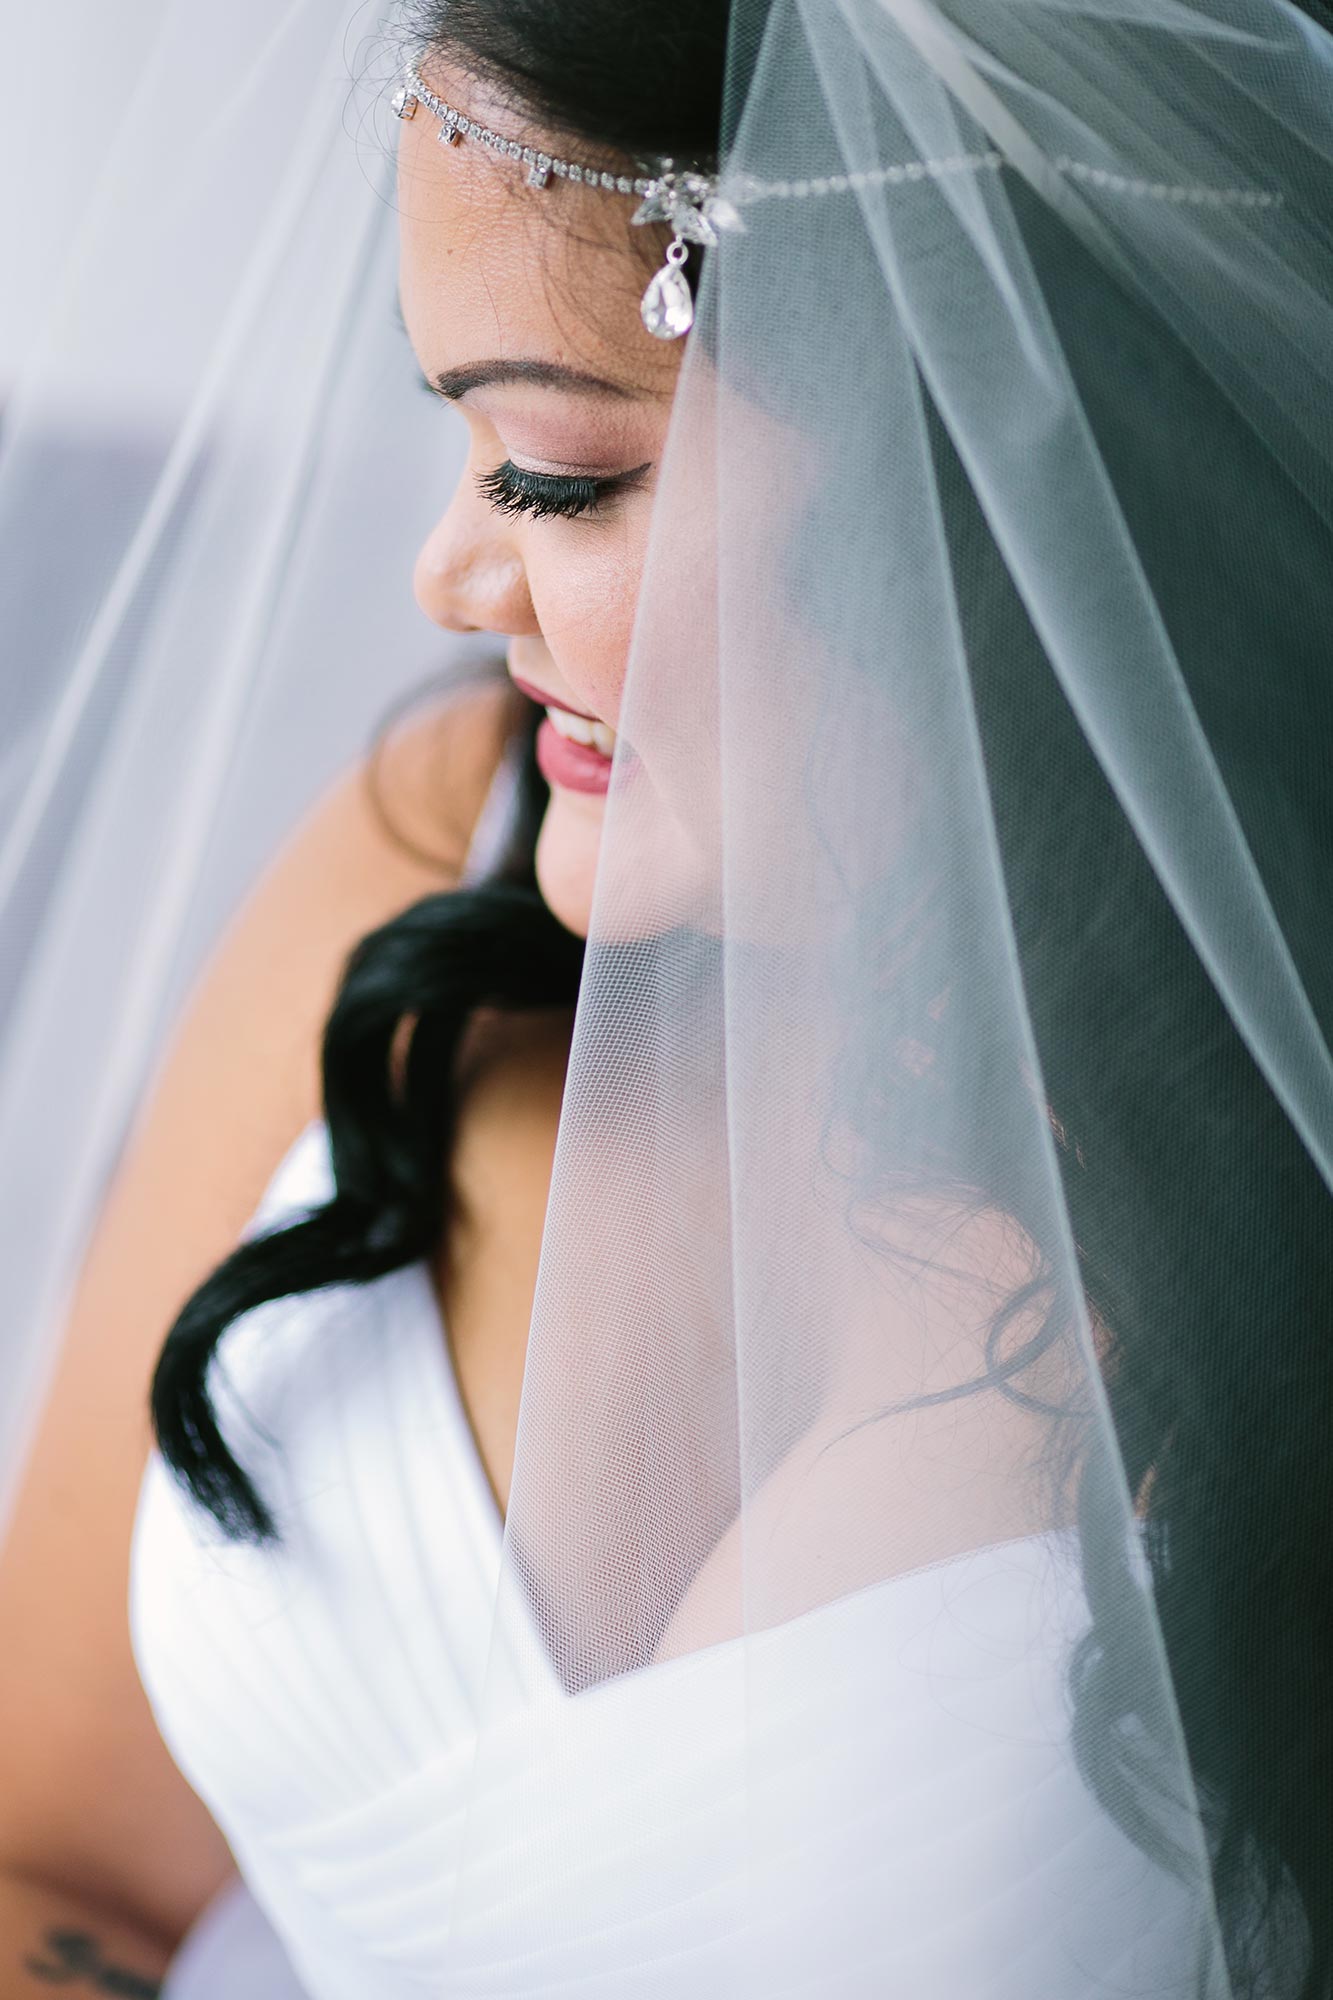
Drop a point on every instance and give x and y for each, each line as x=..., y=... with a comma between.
x=511, y=489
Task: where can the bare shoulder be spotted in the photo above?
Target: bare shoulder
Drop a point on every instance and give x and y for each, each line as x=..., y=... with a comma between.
x=89, y=1798
x=394, y=828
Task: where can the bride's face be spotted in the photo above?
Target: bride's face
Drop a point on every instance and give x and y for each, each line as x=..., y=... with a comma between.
x=523, y=309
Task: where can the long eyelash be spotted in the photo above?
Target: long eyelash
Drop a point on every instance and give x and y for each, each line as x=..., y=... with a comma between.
x=512, y=490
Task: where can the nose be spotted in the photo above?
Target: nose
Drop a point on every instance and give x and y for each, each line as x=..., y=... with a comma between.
x=469, y=576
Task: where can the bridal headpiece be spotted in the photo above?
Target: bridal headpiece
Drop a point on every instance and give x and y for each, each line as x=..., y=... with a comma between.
x=697, y=207
x=688, y=201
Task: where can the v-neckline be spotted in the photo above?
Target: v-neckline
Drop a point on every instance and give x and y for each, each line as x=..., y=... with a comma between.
x=528, y=1646
x=429, y=1326
x=442, y=1370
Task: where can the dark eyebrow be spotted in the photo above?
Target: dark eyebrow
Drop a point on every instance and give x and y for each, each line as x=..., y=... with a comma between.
x=456, y=382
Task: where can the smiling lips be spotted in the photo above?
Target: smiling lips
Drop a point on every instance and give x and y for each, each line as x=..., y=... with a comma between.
x=574, y=749
x=577, y=767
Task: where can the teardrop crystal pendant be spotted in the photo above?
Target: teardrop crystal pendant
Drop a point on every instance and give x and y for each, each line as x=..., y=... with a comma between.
x=667, y=307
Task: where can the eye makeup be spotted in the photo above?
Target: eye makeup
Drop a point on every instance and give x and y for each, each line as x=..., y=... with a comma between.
x=512, y=489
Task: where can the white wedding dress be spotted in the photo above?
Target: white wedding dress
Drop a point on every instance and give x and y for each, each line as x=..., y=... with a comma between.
x=321, y=1697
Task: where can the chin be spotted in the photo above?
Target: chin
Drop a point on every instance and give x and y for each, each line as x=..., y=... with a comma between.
x=567, y=850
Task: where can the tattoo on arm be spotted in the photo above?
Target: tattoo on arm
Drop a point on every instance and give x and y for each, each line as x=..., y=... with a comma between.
x=73, y=1958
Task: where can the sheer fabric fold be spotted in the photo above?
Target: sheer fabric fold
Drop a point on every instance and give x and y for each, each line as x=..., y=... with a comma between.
x=956, y=956
x=213, y=477
x=958, y=978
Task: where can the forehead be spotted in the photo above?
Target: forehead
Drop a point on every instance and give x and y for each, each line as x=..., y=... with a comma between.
x=493, y=267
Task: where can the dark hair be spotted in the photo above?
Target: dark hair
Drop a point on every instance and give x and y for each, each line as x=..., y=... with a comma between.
x=1219, y=1369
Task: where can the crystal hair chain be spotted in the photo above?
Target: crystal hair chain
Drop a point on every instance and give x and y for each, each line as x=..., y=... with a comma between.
x=688, y=201
x=697, y=205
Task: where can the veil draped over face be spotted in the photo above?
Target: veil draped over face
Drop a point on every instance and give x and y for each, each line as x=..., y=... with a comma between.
x=919, y=1513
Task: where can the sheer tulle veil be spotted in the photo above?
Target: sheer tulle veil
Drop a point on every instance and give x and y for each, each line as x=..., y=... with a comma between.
x=945, y=1158
x=209, y=427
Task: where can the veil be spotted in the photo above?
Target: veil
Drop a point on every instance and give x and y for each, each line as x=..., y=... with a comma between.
x=207, y=430
x=917, y=1533
x=966, y=911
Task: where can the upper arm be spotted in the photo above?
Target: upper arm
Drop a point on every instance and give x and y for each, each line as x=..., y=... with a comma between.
x=89, y=1798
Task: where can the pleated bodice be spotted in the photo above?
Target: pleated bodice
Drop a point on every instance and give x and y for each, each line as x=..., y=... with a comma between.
x=926, y=1832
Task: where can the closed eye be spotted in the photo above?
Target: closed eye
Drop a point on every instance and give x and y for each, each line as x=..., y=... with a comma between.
x=512, y=489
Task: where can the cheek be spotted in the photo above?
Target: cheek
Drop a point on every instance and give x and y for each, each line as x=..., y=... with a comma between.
x=585, y=589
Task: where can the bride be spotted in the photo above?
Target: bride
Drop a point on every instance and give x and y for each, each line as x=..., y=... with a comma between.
x=731, y=1254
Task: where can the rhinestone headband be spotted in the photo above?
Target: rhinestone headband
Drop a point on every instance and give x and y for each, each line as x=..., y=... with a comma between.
x=688, y=201
x=695, y=207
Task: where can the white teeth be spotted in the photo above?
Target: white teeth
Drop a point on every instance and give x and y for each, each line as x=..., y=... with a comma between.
x=573, y=726
x=594, y=735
